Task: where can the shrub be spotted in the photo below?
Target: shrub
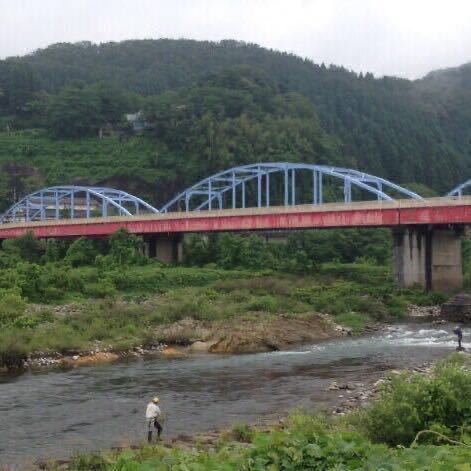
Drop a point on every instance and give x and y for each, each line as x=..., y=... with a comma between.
x=75, y=281
x=12, y=305
x=340, y=298
x=353, y=320
x=92, y=462
x=28, y=247
x=263, y=303
x=51, y=293
x=257, y=285
x=13, y=348
x=125, y=248
x=415, y=402
x=102, y=289
x=242, y=432
x=357, y=272
x=81, y=252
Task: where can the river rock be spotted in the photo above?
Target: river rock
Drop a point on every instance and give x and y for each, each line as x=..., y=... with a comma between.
x=379, y=383
x=426, y=312
x=457, y=309
x=343, y=330
x=333, y=386
x=172, y=352
x=101, y=357
x=200, y=346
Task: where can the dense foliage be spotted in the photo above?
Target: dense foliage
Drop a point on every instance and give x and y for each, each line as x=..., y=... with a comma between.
x=209, y=106
x=116, y=296
x=296, y=252
x=411, y=403
x=238, y=116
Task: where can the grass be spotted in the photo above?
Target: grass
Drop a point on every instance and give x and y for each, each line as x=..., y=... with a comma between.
x=121, y=308
x=356, y=321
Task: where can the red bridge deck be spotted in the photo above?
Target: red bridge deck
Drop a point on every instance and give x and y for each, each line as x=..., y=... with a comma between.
x=434, y=211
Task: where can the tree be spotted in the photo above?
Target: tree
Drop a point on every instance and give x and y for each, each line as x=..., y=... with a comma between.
x=75, y=112
x=125, y=248
x=28, y=247
x=17, y=86
x=81, y=110
x=81, y=252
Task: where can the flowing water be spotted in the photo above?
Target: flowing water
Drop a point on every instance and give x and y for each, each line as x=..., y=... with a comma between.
x=56, y=413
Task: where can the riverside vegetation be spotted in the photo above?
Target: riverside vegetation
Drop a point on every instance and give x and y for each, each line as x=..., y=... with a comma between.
x=113, y=295
x=418, y=422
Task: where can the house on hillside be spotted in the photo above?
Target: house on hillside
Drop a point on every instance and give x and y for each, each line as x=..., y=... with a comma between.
x=137, y=121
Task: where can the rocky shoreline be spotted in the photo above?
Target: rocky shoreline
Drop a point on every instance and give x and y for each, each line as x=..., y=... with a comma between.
x=87, y=357
x=236, y=336
x=354, y=395
x=190, y=336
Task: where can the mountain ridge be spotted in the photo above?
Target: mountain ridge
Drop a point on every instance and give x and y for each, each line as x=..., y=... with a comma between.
x=407, y=131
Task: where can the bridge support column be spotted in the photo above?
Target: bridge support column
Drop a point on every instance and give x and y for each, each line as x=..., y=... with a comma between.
x=447, y=263
x=166, y=249
x=428, y=257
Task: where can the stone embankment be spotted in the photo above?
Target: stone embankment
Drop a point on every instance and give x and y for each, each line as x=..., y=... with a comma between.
x=457, y=309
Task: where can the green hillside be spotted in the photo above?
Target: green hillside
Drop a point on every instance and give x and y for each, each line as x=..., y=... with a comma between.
x=214, y=105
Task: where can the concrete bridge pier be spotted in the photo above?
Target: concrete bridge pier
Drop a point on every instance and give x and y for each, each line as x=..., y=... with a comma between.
x=429, y=257
x=165, y=248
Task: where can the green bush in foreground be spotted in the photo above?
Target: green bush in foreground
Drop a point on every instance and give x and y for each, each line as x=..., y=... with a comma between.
x=302, y=446
x=413, y=402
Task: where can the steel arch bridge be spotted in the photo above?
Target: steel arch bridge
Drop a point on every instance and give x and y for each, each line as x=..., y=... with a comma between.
x=459, y=190
x=254, y=185
x=230, y=188
x=63, y=202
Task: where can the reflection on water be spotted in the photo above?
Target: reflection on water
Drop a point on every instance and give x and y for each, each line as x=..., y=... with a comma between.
x=54, y=413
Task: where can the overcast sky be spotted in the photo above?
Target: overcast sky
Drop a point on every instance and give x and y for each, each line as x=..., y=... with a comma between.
x=407, y=38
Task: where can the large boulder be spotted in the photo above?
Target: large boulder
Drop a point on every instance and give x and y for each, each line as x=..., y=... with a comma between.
x=457, y=309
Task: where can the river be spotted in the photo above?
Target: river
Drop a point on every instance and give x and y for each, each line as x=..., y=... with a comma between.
x=54, y=413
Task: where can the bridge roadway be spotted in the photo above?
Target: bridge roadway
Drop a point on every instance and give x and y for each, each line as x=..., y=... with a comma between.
x=433, y=211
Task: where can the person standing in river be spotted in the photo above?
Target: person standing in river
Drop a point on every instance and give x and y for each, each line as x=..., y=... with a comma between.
x=459, y=333
x=153, y=412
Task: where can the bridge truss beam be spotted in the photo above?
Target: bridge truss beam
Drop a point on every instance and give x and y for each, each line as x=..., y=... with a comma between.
x=64, y=202
x=229, y=189
x=458, y=190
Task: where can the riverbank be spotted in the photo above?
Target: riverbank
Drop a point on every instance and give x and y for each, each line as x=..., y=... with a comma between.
x=346, y=398
x=97, y=407
x=189, y=336
x=232, y=336
x=220, y=311
x=320, y=437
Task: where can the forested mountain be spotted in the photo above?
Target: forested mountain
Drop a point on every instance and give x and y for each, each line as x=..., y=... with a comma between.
x=212, y=105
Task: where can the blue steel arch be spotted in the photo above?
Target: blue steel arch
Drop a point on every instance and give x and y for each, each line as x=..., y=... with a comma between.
x=215, y=188
x=458, y=190
x=77, y=201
